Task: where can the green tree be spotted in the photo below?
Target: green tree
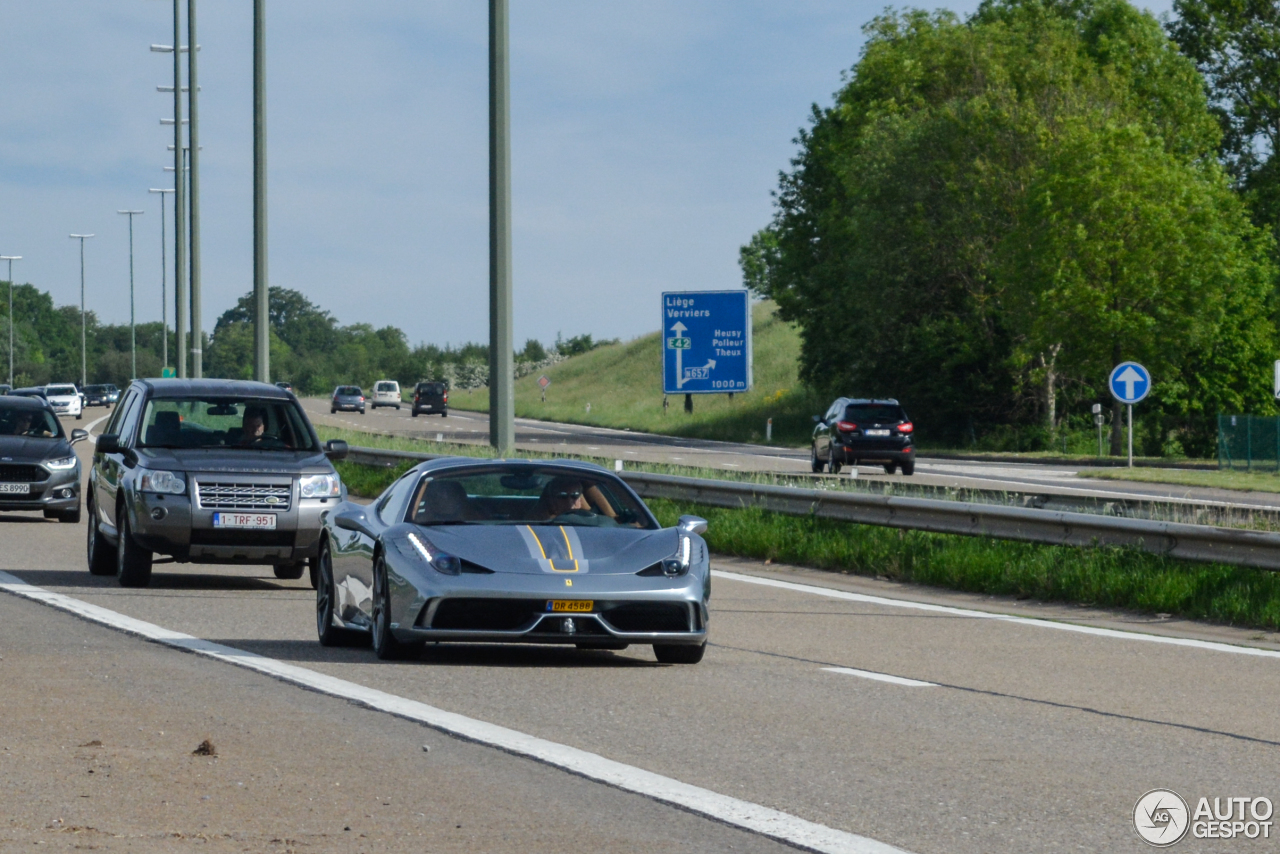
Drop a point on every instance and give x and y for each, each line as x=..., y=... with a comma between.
x=1236, y=46
x=990, y=206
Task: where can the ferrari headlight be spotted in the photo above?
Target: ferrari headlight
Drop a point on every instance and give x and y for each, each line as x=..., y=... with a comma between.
x=60, y=465
x=160, y=481
x=320, y=486
x=447, y=564
x=678, y=564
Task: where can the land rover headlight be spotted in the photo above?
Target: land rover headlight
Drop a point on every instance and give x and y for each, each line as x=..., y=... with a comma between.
x=167, y=482
x=60, y=465
x=320, y=486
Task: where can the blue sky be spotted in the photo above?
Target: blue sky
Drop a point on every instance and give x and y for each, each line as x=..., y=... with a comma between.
x=647, y=136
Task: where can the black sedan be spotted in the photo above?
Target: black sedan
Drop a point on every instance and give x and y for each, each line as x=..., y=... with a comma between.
x=485, y=551
x=39, y=470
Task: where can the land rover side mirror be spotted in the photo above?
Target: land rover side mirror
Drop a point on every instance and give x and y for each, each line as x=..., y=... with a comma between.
x=817, y=419
x=78, y=435
x=335, y=449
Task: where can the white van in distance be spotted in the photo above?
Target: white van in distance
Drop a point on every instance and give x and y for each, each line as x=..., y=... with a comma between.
x=386, y=393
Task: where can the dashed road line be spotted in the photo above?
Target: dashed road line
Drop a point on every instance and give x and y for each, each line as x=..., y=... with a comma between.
x=882, y=677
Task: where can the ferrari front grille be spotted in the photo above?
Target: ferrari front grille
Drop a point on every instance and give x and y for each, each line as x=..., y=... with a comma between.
x=647, y=616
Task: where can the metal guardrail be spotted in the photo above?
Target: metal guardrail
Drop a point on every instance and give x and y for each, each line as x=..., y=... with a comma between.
x=1203, y=543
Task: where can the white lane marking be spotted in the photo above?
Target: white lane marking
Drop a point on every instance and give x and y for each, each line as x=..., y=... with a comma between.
x=882, y=677
x=1008, y=618
x=89, y=428
x=732, y=811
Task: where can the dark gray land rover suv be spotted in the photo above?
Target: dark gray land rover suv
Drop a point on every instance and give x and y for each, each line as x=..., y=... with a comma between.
x=208, y=471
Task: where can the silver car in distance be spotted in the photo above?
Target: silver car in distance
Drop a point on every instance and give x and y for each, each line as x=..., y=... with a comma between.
x=484, y=551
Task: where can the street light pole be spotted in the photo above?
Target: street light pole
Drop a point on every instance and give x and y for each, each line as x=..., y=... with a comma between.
x=84, y=358
x=164, y=272
x=193, y=140
x=133, y=335
x=10, y=259
x=502, y=426
x=261, y=294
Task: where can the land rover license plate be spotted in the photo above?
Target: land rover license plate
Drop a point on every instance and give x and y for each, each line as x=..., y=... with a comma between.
x=260, y=521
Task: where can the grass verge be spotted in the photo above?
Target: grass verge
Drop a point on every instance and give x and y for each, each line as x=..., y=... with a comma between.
x=1107, y=577
x=1244, y=481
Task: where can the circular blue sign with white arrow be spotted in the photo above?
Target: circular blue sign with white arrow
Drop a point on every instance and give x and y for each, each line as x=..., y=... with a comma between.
x=1129, y=382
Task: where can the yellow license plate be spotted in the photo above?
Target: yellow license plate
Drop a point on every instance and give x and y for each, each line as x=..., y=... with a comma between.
x=571, y=606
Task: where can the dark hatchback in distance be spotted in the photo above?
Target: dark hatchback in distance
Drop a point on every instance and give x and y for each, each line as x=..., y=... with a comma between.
x=347, y=397
x=857, y=430
x=431, y=398
x=39, y=470
x=208, y=471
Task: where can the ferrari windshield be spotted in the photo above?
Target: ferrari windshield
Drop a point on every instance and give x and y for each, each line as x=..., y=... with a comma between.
x=522, y=495
x=255, y=424
x=30, y=422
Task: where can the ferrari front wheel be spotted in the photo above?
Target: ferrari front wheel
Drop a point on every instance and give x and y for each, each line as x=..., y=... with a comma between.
x=385, y=644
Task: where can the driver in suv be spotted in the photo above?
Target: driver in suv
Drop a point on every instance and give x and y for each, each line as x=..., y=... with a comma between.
x=208, y=471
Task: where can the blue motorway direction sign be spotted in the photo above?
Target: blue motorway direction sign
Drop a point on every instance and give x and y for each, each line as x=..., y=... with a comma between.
x=1129, y=382
x=706, y=342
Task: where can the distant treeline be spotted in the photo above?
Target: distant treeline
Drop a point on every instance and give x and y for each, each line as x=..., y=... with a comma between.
x=309, y=347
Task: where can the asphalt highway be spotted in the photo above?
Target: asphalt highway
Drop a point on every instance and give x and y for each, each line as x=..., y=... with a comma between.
x=473, y=428
x=898, y=715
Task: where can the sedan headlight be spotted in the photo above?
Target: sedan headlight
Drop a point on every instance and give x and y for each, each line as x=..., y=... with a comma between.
x=320, y=486
x=60, y=465
x=441, y=562
x=166, y=482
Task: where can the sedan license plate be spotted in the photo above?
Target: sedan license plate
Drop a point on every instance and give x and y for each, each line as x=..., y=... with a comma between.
x=877, y=432
x=14, y=488
x=570, y=606
x=260, y=521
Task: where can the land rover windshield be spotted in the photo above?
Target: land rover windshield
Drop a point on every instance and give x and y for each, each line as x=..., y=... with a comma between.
x=255, y=424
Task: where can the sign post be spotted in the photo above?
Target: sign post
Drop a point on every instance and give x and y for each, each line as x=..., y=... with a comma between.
x=1129, y=383
x=706, y=342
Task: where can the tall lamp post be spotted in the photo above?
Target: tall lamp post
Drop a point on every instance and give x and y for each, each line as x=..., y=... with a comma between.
x=261, y=294
x=10, y=259
x=84, y=359
x=193, y=163
x=164, y=272
x=133, y=335
x=502, y=426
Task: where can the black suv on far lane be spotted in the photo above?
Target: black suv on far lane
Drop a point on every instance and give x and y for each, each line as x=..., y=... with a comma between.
x=857, y=430
x=431, y=398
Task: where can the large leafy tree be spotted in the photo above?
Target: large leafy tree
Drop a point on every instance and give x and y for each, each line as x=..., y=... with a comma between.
x=1236, y=46
x=993, y=210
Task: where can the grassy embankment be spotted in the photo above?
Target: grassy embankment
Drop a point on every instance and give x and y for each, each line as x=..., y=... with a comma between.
x=623, y=384
x=1108, y=577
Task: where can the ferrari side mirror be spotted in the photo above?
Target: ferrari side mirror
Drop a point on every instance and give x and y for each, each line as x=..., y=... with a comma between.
x=692, y=524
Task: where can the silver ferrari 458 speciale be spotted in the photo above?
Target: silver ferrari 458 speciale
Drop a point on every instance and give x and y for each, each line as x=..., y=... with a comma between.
x=512, y=551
